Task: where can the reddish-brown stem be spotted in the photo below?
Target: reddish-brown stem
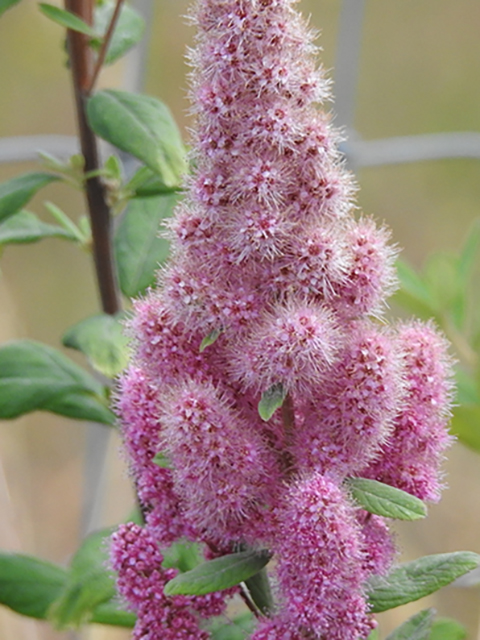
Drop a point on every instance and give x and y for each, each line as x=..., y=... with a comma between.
x=247, y=600
x=81, y=62
x=104, y=47
x=288, y=419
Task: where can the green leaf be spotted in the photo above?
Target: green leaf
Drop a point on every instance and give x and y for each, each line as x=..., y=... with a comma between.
x=113, y=168
x=420, y=578
x=162, y=461
x=70, y=227
x=146, y=184
x=465, y=424
x=89, y=583
x=259, y=589
x=111, y=613
x=466, y=388
x=271, y=400
x=414, y=295
x=143, y=126
x=447, y=629
x=415, y=628
x=66, y=19
x=374, y=635
x=384, y=500
x=33, y=376
x=25, y=227
x=441, y=278
x=183, y=556
x=210, y=339
x=469, y=253
x=216, y=575
x=138, y=249
x=102, y=340
x=15, y=193
x=237, y=629
x=6, y=4
x=29, y=585
x=129, y=29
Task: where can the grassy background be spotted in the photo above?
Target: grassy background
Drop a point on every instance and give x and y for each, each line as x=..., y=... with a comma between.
x=419, y=73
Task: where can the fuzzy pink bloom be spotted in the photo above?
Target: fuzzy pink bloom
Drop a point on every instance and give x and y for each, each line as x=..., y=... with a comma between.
x=206, y=302
x=278, y=628
x=316, y=263
x=141, y=579
x=321, y=561
x=379, y=543
x=267, y=253
x=294, y=345
x=165, y=347
x=371, y=278
x=222, y=470
x=353, y=413
x=137, y=404
x=412, y=458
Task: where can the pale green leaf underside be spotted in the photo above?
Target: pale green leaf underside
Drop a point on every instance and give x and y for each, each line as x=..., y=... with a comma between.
x=142, y=126
x=101, y=339
x=384, y=500
x=415, y=628
x=420, y=578
x=271, y=400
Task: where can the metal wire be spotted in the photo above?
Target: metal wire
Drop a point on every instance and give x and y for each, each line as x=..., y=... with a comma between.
x=26, y=148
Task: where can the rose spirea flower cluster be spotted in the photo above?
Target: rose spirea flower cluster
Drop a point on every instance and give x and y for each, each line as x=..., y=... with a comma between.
x=275, y=282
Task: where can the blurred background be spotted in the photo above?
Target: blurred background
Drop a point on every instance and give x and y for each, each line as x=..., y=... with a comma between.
x=418, y=73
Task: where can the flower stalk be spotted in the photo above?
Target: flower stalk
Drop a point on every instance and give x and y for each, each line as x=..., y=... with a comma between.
x=268, y=248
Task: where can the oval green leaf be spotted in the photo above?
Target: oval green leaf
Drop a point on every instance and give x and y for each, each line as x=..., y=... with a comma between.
x=6, y=4
x=417, y=579
x=146, y=184
x=102, y=340
x=417, y=627
x=142, y=126
x=138, y=250
x=25, y=227
x=216, y=575
x=260, y=592
x=89, y=584
x=210, y=339
x=112, y=614
x=271, y=400
x=129, y=29
x=465, y=424
x=29, y=585
x=447, y=629
x=237, y=629
x=15, y=193
x=34, y=376
x=384, y=500
x=66, y=19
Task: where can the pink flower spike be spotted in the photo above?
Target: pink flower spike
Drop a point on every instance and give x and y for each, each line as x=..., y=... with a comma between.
x=321, y=561
x=413, y=455
x=352, y=414
x=295, y=345
x=222, y=470
x=141, y=580
x=138, y=410
x=372, y=277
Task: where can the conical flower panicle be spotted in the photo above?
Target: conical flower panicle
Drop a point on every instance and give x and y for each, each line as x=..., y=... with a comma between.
x=321, y=566
x=221, y=468
x=274, y=284
x=412, y=456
